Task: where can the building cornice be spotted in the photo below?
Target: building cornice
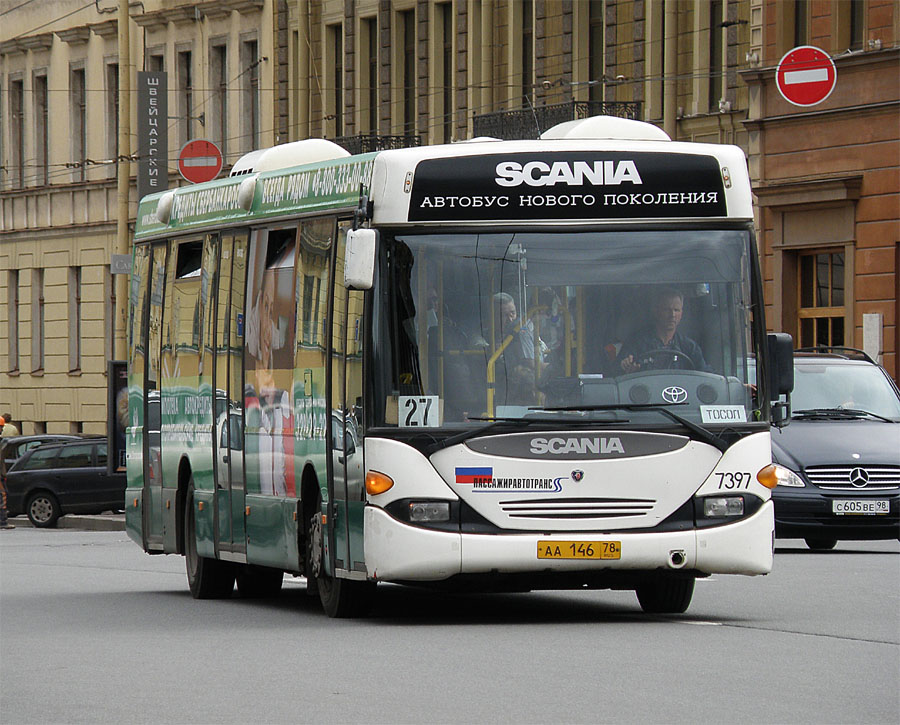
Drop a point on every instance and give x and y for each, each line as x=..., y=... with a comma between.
x=192, y=13
x=808, y=191
x=755, y=124
x=848, y=59
x=75, y=36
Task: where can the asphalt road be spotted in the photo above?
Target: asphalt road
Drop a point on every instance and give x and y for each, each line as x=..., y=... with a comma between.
x=93, y=630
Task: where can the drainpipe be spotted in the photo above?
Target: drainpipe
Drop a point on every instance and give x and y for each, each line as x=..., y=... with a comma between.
x=123, y=178
x=670, y=70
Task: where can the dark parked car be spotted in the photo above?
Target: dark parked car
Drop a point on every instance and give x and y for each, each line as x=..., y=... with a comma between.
x=12, y=449
x=64, y=478
x=843, y=445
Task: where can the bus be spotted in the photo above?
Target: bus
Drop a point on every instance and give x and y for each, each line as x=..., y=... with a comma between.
x=483, y=366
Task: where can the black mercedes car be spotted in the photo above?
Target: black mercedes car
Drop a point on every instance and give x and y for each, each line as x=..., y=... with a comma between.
x=843, y=447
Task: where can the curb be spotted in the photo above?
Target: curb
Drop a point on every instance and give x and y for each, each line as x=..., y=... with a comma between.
x=109, y=522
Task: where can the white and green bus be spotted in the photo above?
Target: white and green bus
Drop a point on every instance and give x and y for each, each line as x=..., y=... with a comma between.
x=492, y=365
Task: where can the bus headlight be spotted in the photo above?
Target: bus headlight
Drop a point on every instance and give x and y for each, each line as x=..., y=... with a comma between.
x=775, y=475
x=719, y=506
x=425, y=511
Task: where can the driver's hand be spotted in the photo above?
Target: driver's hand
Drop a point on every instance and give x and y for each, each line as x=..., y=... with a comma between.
x=629, y=365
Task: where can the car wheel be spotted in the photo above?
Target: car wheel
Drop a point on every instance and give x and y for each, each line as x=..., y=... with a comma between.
x=666, y=595
x=207, y=578
x=43, y=510
x=821, y=544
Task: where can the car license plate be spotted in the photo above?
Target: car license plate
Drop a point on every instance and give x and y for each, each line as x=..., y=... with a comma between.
x=579, y=550
x=856, y=506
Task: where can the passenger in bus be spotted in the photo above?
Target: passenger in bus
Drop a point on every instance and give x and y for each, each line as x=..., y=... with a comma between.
x=516, y=367
x=661, y=346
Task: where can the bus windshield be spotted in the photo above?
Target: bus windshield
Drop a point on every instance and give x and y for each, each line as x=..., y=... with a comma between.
x=470, y=326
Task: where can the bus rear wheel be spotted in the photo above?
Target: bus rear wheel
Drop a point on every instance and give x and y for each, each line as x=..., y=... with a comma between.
x=666, y=594
x=341, y=598
x=207, y=578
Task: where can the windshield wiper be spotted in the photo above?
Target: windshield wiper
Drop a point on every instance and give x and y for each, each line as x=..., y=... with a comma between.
x=838, y=413
x=700, y=433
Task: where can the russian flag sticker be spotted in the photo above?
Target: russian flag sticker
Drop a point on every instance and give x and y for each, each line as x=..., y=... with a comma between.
x=474, y=475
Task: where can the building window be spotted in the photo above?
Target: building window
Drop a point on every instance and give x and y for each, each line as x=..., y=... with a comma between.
x=527, y=58
x=74, y=319
x=218, y=112
x=857, y=23
x=112, y=114
x=37, y=320
x=13, y=317
x=595, y=49
x=408, y=28
x=79, y=123
x=17, y=131
x=445, y=14
x=156, y=63
x=335, y=105
x=716, y=76
x=370, y=82
x=185, y=96
x=821, y=304
x=41, y=134
x=250, y=67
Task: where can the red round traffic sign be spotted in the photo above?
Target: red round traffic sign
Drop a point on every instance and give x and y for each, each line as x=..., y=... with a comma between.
x=805, y=76
x=199, y=161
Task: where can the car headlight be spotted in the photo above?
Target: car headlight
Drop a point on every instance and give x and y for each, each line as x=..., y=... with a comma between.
x=776, y=475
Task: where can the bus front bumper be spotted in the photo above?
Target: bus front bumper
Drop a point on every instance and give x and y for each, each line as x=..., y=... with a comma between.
x=396, y=551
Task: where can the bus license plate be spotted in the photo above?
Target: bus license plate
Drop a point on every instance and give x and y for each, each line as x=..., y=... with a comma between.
x=579, y=550
x=856, y=506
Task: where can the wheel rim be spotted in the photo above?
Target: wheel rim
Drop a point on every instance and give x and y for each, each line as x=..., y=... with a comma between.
x=41, y=509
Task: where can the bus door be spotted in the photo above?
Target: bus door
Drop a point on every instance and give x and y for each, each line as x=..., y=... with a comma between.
x=152, y=496
x=347, y=489
x=229, y=406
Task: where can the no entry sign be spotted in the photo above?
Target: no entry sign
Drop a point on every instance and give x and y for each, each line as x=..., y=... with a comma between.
x=805, y=76
x=199, y=161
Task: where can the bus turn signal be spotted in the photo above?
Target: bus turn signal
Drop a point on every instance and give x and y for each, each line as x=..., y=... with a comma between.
x=377, y=483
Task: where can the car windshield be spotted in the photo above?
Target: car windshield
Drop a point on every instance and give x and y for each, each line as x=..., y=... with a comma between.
x=843, y=385
x=471, y=326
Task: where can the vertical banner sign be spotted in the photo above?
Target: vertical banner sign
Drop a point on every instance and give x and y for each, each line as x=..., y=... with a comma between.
x=153, y=139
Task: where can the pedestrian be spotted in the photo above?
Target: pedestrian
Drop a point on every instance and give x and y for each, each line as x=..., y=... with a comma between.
x=4, y=522
x=10, y=429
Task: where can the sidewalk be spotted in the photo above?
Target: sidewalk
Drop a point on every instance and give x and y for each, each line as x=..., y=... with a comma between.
x=98, y=522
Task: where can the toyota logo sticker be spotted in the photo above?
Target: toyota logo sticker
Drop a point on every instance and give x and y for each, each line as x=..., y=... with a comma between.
x=674, y=394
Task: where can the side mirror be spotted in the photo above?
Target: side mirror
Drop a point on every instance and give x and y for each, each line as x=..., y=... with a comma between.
x=781, y=376
x=781, y=364
x=359, y=262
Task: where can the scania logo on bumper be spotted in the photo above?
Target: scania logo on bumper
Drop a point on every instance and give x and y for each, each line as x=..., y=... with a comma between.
x=674, y=394
x=562, y=446
x=859, y=477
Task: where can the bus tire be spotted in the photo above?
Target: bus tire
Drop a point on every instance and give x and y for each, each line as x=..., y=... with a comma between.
x=341, y=598
x=821, y=544
x=207, y=578
x=259, y=582
x=665, y=594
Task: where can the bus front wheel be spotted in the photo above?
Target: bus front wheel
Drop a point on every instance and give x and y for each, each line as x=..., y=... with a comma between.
x=207, y=578
x=665, y=594
x=341, y=598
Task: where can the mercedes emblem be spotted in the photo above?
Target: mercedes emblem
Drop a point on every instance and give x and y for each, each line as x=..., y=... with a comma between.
x=859, y=477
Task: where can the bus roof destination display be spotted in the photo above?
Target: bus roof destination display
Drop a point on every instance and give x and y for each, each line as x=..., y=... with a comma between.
x=567, y=185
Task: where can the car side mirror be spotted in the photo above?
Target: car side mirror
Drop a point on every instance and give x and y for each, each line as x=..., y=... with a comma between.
x=359, y=263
